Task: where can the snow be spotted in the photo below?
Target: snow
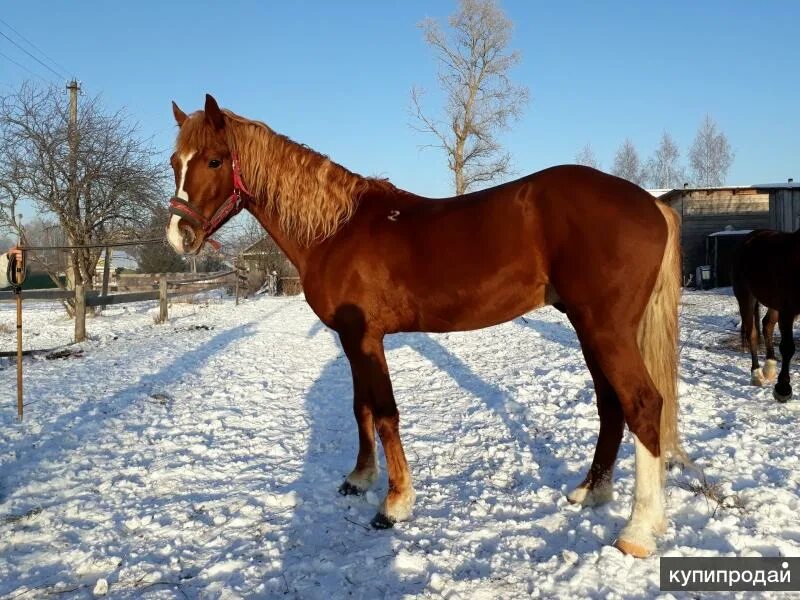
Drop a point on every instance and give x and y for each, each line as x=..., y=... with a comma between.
x=730, y=232
x=201, y=458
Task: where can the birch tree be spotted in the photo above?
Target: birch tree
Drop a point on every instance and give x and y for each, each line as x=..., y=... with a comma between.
x=587, y=158
x=711, y=155
x=663, y=169
x=627, y=163
x=480, y=99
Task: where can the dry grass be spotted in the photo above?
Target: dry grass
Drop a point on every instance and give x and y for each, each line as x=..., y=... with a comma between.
x=713, y=492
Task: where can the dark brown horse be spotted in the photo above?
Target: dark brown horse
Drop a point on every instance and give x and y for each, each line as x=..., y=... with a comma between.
x=376, y=260
x=766, y=270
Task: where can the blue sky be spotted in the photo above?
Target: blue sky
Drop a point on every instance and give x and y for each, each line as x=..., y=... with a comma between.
x=337, y=75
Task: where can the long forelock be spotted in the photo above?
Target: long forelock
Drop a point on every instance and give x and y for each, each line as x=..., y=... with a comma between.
x=311, y=195
x=195, y=134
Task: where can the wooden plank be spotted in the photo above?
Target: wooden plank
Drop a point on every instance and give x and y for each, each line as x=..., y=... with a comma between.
x=122, y=298
x=54, y=294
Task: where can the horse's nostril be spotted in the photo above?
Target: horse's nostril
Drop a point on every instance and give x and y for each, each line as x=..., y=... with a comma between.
x=188, y=236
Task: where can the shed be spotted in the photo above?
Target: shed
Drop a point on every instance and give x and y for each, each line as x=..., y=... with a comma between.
x=720, y=249
x=784, y=206
x=708, y=210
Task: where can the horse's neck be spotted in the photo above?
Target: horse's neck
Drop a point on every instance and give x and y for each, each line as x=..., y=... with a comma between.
x=296, y=253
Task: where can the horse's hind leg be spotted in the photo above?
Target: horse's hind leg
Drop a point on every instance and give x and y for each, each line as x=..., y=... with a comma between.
x=748, y=310
x=783, y=389
x=618, y=355
x=597, y=486
x=768, y=330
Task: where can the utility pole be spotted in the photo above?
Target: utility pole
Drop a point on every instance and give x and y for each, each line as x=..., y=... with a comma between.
x=74, y=278
x=74, y=275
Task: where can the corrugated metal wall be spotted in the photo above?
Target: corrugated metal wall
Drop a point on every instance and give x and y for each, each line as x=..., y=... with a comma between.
x=784, y=209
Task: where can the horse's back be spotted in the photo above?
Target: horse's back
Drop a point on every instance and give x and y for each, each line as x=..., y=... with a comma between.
x=766, y=265
x=568, y=232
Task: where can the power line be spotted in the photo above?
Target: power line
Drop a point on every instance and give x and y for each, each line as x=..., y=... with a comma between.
x=30, y=43
x=57, y=74
x=21, y=66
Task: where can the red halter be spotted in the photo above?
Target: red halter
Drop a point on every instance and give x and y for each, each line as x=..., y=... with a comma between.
x=232, y=206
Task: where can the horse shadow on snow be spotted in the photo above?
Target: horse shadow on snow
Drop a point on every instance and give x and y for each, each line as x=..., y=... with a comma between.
x=332, y=551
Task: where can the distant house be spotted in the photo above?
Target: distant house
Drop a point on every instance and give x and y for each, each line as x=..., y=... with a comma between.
x=120, y=261
x=733, y=209
x=264, y=258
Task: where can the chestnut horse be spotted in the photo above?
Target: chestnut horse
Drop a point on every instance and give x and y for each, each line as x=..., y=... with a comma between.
x=375, y=260
x=765, y=271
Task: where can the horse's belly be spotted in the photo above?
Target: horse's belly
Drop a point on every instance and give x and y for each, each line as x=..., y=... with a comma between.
x=482, y=306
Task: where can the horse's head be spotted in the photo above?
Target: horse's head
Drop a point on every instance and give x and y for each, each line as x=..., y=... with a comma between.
x=208, y=187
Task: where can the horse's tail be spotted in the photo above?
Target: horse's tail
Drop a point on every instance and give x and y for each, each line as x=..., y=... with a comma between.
x=749, y=306
x=658, y=336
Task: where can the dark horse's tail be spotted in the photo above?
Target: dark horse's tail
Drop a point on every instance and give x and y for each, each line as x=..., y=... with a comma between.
x=658, y=337
x=749, y=307
x=751, y=317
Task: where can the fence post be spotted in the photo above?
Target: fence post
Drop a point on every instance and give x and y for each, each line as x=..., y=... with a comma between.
x=162, y=297
x=273, y=283
x=236, y=277
x=80, y=313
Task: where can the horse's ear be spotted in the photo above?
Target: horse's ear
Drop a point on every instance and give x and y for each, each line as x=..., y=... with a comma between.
x=180, y=116
x=213, y=113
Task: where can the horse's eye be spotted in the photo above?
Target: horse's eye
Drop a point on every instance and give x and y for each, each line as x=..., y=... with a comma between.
x=214, y=163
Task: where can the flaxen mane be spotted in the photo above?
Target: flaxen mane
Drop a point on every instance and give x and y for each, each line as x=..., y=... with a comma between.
x=312, y=195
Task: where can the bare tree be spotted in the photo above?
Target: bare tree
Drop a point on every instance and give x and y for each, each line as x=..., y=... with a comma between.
x=711, y=155
x=480, y=100
x=587, y=158
x=118, y=177
x=47, y=232
x=627, y=164
x=663, y=170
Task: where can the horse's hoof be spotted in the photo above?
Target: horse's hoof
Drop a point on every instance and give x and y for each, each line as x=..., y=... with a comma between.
x=770, y=370
x=782, y=398
x=348, y=489
x=757, y=377
x=381, y=521
x=632, y=548
x=596, y=496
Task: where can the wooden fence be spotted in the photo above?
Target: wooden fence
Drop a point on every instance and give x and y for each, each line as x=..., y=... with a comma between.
x=163, y=290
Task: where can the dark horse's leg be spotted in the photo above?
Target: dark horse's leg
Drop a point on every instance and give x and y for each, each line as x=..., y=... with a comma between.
x=597, y=486
x=748, y=311
x=368, y=363
x=768, y=329
x=783, y=390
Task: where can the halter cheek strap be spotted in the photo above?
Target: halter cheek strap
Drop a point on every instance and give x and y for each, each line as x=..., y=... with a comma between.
x=232, y=206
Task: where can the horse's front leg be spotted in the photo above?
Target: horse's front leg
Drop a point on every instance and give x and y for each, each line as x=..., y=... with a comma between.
x=368, y=363
x=366, y=470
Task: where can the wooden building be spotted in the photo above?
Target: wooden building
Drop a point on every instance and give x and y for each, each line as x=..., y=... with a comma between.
x=264, y=258
x=784, y=207
x=705, y=211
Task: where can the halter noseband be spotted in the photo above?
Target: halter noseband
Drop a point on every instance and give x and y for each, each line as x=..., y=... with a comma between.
x=232, y=206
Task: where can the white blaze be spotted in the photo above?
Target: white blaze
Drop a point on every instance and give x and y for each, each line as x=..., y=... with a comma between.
x=173, y=231
x=174, y=234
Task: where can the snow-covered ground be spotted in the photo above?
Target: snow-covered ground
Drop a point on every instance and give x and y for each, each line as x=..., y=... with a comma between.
x=201, y=458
